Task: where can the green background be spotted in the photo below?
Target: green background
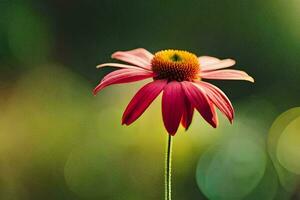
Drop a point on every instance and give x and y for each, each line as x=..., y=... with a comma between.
x=58, y=141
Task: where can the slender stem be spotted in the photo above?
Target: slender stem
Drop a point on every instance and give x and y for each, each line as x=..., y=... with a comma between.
x=168, y=165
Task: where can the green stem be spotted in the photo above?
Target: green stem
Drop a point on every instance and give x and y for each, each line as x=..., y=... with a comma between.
x=168, y=169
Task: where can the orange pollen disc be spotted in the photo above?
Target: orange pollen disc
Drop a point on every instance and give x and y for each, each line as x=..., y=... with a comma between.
x=175, y=65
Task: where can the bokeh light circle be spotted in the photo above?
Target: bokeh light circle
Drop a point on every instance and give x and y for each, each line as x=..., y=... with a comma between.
x=288, y=148
x=231, y=170
x=279, y=145
x=268, y=187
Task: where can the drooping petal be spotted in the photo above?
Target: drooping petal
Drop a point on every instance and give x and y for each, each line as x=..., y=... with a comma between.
x=227, y=74
x=208, y=63
x=219, y=99
x=122, y=76
x=137, y=57
x=142, y=99
x=201, y=102
x=172, y=106
x=119, y=66
x=188, y=113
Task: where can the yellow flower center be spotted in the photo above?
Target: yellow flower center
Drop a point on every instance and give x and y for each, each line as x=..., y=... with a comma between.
x=175, y=65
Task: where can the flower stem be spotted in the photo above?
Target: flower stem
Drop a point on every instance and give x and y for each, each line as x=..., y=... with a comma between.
x=168, y=164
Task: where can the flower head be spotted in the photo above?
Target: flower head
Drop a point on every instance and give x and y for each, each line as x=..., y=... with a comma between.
x=179, y=76
x=175, y=65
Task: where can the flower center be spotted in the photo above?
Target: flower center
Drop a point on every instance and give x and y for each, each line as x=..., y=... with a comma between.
x=175, y=65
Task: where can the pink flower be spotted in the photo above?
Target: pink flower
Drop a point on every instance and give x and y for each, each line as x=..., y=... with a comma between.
x=179, y=75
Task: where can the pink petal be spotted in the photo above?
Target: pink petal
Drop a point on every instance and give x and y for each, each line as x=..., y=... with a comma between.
x=227, y=74
x=136, y=57
x=208, y=63
x=118, y=65
x=188, y=113
x=142, y=53
x=208, y=60
x=219, y=99
x=122, y=76
x=201, y=102
x=141, y=101
x=172, y=106
x=126, y=70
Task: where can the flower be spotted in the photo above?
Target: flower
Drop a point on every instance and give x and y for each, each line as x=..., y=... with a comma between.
x=178, y=74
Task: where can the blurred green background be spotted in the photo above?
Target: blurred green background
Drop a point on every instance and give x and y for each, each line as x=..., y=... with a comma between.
x=58, y=141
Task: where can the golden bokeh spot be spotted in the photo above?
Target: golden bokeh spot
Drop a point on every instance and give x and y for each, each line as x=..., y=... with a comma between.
x=176, y=65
